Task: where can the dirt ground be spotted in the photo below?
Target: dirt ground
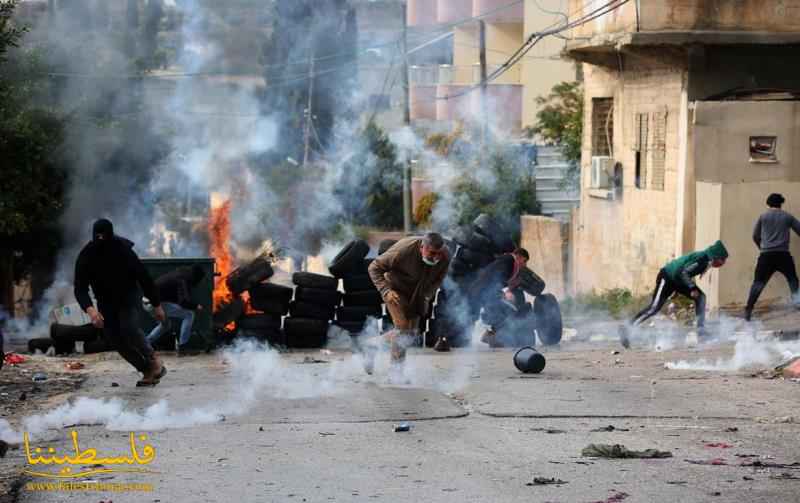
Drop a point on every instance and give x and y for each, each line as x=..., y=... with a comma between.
x=20, y=396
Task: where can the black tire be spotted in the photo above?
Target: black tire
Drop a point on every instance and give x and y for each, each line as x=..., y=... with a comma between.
x=74, y=333
x=229, y=312
x=305, y=332
x=44, y=343
x=459, y=268
x=97, y=346
x=242, y=278
x=358, y=313
x=369, y=298
x=300, y=309
x=500, y=238
x=259, y=322
x=475, y=259
x=311, y=280
x=270, y=292
x=385, y=245
x=530, y=282
x=319, y=297
x=354, y=327
x=349, y=259
x=467, y=238
x=549, y=324
x=357, y=283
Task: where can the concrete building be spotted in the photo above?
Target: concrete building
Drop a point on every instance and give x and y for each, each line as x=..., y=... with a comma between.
x=690, y=122
x=511, y=97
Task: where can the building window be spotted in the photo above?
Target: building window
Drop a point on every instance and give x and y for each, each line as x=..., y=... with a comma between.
x=640, y=150
x=763, y=149
x=659, y=150
x=602, y=126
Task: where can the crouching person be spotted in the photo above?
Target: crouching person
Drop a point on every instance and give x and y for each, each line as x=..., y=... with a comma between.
x=678, y=277
x=175, y=289
x=407, y=276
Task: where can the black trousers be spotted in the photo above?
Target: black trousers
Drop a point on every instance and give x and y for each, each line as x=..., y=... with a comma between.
x=121, y=330
x=768, y=264
x=665, y=287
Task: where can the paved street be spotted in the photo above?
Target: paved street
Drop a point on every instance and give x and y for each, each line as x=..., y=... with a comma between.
x=481, y=431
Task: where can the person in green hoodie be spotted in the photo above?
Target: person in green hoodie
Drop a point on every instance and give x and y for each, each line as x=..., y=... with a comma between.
x=678, y=277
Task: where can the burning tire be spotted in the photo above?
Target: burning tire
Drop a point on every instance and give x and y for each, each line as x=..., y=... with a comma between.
x=259, y=322
x=488, y=227
x=318, y=297
x=242, y=278
x=358, y=283
x=305, y=332
x=358, y=313
x=385, y=245
x=300, y=309
x=363, y=298
x=350, y=259
x=548, y=319
x=311, y=280
x=229, y=312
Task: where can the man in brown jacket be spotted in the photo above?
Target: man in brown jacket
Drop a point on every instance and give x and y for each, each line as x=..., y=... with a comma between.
x=407, y=275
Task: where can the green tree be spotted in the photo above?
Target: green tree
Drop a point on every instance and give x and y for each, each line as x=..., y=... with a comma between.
x=559, y=121
x=30, y=140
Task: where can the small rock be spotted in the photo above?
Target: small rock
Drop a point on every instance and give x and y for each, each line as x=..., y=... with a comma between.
x=23, y=397
x=115, y=385
x=260, y=428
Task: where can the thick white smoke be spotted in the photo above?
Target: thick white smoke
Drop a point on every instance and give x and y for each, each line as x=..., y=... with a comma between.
x=748, y=353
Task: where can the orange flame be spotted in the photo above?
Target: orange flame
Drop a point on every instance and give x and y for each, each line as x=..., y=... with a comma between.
x=219, y=230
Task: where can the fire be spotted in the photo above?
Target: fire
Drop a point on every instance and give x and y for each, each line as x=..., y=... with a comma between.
x=219, y=230
x=248, y=308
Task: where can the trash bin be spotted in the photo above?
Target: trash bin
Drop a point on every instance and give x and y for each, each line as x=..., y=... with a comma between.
x=202, y=330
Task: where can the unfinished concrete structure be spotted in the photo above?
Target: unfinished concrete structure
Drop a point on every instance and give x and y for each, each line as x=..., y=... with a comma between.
x=690, y=122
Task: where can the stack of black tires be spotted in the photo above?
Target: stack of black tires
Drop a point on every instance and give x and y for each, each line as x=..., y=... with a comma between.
x=272, y=300
x=314, y=305
x=361, y=300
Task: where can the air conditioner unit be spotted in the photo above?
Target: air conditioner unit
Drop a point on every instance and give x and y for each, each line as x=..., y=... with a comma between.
x=601, y=172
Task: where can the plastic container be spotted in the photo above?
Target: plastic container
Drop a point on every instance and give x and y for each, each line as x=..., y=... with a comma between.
x=529, y=361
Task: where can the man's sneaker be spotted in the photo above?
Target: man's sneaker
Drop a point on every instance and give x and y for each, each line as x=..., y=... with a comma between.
x=624, y=337
x=441, y=344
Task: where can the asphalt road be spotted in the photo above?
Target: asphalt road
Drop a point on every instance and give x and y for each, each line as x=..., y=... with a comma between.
x=270, y=427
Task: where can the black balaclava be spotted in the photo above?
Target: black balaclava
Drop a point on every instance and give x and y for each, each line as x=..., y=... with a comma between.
x=102, y=228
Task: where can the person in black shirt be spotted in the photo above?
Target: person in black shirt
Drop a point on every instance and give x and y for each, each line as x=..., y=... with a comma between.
x=109, y=266
x=496, y=287
x=174, y=289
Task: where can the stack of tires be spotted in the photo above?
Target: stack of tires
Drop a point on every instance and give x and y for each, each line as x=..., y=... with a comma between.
x=314, y=305
x=272, y=301
x=450, y=318
x=63, y=338
x=361, y=300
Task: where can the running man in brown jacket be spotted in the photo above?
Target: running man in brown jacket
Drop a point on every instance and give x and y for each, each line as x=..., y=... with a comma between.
x=407, y=275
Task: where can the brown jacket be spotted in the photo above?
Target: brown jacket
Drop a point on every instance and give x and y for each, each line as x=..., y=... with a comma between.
x=401, y=269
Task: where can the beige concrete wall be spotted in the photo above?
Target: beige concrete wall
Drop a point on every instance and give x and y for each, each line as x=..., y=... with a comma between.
x=622, y=19
x=542, y=67
x=544, y=240
x=722, y=132
x=623, y=243
x=724, y=15
x=728, y=212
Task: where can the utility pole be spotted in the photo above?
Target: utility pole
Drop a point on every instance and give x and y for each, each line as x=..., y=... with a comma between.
x=484, y=109
x=407, y=122
x=309, y=114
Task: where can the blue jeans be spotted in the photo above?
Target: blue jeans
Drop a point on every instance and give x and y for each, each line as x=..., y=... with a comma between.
x=174, y=311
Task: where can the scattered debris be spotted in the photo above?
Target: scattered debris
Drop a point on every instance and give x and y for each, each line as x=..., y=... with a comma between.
x=115, y=385
x=767, y=464
x=609, y=428
x=677, y=482
x=618, y=451
x=39, y=377
x=23, y=397
x=715, y=493
x=74, y=365
x=731, y=429
x=402, y=427
x=311, y=359
x=615, y=498
x=543, y=481
x=709, y=462
x=718, y=445
x=550, y=431
x=746, y=455
x=615, y=352
x=747, y=478
x=13, y=359
x=775, y=420
x=784, y=476
x=328, y=434
x=260, y=428
x=3, y=448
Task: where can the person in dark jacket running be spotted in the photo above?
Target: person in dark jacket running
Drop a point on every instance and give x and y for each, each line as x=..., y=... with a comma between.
x=174, y=289
x=678, y=277
x=109, y=266
x=497, y=286
x=771, y=235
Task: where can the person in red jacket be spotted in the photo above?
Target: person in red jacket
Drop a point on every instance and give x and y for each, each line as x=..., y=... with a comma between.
x=109, y=266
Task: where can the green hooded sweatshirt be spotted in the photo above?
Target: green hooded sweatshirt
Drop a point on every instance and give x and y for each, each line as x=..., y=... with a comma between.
x=683, y=269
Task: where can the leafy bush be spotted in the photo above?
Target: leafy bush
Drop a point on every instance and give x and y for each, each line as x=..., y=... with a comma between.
x=424, y=209
x=619, y=303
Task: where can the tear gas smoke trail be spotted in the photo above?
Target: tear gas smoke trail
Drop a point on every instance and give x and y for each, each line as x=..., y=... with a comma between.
x=748, y=352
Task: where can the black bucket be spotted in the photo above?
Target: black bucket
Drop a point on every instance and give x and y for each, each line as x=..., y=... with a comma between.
x=529, y=361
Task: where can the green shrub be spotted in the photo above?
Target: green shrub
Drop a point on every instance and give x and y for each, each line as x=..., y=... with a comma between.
x=424, y=209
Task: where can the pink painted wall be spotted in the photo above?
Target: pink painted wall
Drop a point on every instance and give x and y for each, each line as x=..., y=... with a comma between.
x=423, y=102
x=421, y=12
x=450, y=11
x=515, y=14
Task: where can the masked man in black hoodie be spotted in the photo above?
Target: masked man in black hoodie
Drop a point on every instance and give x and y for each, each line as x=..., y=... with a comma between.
x=114, y=272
